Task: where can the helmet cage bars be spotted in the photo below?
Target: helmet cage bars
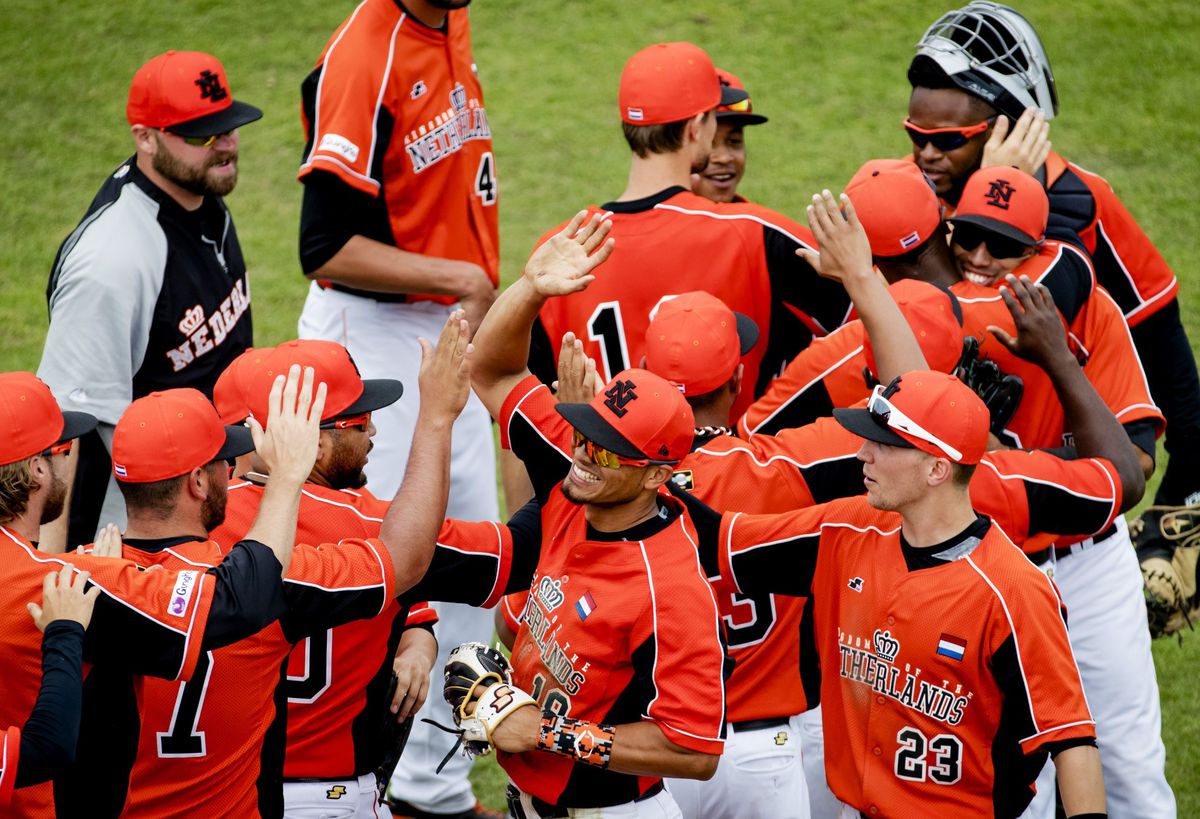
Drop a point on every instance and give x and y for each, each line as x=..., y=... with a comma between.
x=992, y=52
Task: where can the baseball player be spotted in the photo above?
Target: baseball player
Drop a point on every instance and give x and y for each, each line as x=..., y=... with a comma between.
x=149, y=623
x=961, y=79
x=220, y=724
x=36, y=751
x=742, y=253
x=727, y=159
x=399, y=223
x=150, y=291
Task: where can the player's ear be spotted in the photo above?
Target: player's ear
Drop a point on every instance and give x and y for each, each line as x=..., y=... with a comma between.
x=143, y=138
x=695, y=126
x=657, y=475
x=940, y=471
x=197, y=483
x=736, y=380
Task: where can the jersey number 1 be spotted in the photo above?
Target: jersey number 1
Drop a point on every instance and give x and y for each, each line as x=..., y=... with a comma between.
x=184, y=738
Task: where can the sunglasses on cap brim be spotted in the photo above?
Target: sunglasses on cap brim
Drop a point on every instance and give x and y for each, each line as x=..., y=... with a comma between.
x=969, y=237
x=945, y=139
x=886, y=412
x=199, y=141
x=348, y=422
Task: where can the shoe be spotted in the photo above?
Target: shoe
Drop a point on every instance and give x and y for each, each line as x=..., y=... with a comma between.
x=403, y=810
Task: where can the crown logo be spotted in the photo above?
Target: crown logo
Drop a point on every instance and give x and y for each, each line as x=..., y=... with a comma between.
x=550, y=593
x=192, y=320
x=886, y=646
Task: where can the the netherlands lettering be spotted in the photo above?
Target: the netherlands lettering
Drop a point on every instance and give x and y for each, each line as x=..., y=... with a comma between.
x=862, y=666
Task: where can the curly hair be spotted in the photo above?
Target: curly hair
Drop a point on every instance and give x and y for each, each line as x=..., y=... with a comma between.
x=16, y=485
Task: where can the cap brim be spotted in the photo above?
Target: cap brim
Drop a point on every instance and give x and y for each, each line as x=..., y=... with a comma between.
x=377, y=393
x=747, y=332
x=740, y=118
x=863, y=424
x=76, y=425
x=731, y=95
x=995, y=226
x=220, y=122
x=238, y=441
x=587, y=420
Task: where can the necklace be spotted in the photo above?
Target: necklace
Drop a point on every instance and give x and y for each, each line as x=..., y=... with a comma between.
x=711, y=432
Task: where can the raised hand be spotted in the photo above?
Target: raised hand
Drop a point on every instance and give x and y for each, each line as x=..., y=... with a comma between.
x=845, y=252
x=289, y=445
x=1025, y=147
x=1040, y=332
x=564, y=263
x=108, y=542
x=445, y=375
x=577, y=381
x=63, y=598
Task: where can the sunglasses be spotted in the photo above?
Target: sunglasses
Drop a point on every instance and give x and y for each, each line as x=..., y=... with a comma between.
x=969, y=237
x=348, y=422
x=61, y=448
x=887, y=412
x=604, y=457
x=199, y=141
x=945, y=139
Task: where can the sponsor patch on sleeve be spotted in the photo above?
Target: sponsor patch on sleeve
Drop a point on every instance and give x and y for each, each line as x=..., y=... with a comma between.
x=338, y=144
x=185, y=584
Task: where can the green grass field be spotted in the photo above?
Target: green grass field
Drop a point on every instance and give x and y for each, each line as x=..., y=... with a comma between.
x=829, y=74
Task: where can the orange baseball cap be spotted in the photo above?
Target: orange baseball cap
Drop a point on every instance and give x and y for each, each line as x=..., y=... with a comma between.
x=229, y=393
x=933, y=412
x=30, y=419
x=736, y=113
x=1007, y=201
x=936, y=319
x=347, y=393
x=186, y=93
x=167, y=434
x=669, y=82
x=896, y=204
x=696, y=342
x=637, y=415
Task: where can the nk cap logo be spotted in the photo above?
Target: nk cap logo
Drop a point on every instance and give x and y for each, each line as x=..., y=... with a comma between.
x=999, y=194
x=618, y=395
x=210, y=87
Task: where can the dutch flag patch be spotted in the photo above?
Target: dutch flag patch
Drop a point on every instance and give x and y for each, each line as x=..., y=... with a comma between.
x=585, y=605
x=952, y=647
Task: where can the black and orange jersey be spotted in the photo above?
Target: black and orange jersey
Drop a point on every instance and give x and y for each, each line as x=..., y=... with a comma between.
x=394, y=109
x=618, y=627
x=675, y=242
x=1127, y=264
x=10, y=756
x=144, y=623
x=947, y=672
x=212, y=728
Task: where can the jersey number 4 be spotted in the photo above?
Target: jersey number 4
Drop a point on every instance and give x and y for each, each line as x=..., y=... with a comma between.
x=945, y=766
x=485, y=180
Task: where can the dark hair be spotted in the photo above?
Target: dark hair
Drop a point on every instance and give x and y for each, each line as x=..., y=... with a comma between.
x=924, y=72
x=656, y=139
x=153, y=497
x=961, y=473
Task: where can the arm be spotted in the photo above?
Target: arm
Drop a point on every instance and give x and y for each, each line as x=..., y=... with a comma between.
x=410, y=527
x=1041, y=340
x=845, y=255
x=1080, y=781
x=563, y=264
x=415, y=657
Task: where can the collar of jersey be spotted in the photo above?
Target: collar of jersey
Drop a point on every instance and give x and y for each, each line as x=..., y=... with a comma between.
x=949, y=550
x=153, y=545
x=648, y=203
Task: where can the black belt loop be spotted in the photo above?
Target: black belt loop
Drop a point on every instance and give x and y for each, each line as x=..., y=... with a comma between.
x=1042, y=555
x=760, y=724
x=382, y=298
x=547, y=811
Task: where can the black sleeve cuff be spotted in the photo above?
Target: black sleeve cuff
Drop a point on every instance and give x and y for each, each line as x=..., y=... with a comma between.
x=1056, y=748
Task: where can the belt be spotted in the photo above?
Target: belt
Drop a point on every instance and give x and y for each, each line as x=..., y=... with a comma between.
x=759, y=724
x=547, y=811
x=1042, y=555
x=383, y=298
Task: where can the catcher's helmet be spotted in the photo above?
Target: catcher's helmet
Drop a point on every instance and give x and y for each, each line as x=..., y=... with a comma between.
x=992, y=52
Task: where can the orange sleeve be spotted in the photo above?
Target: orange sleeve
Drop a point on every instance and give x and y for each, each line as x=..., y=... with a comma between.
x=421, y=614
x=10, y=752
x=512, y=608
x=1113, y=365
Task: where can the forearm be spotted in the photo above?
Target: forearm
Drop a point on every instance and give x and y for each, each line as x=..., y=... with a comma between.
x=275, y=524
x=895, y=346
x=418, y=643
x=49, y=735
x=502, y=343
x=410, y=527
x=1080, y=780
x=370, y=265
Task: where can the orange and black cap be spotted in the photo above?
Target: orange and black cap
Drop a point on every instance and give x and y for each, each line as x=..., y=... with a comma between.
x=186, y=93
x=739, y=112
x=639, y=416
x=30, y=419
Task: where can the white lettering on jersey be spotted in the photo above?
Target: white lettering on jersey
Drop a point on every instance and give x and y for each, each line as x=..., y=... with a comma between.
x=205, y=333
x=446, y=133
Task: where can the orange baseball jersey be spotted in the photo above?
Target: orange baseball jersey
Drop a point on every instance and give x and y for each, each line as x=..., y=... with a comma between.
x=948, y=675
x=1127, y=264
x=337, y=678
x=225, y=724
x=675, y=242
x=618, y=627
x=10, y=755
x=394, y=109
x=143, y=623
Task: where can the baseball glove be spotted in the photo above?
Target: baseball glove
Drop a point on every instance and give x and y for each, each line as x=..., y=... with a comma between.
x=1167, y=539
x=1000, y=392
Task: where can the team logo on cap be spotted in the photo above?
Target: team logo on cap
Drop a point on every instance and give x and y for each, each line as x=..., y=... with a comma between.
x=886, y=646
x=999, y=194
x=210, y=87
x=618, y=395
